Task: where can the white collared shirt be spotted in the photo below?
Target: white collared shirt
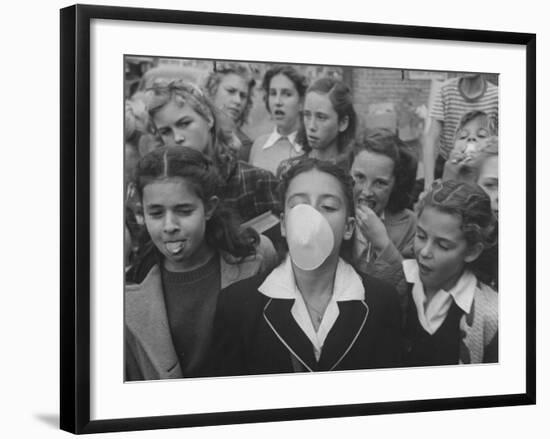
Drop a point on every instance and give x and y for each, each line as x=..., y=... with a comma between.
x=432, y=316
x=281, y=284
x=275, y=136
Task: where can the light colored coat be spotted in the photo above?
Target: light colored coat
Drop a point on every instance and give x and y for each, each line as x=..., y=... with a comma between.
x=149, y=350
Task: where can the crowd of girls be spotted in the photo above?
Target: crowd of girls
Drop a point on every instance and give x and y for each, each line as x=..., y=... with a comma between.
x=303, y=249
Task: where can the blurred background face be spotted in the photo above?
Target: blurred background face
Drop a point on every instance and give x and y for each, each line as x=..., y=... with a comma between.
x=473, y=135
x=231, y=95
x=320, y=121
x=180, y=125
x=284, y=103
x=374, y=180
x=488, y=180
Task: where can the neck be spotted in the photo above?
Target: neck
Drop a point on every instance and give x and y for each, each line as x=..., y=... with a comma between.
x=327, y=154
x=472, y=86
x=197, y=260
x=447, y=286
x=316, y=283
x=285, y=130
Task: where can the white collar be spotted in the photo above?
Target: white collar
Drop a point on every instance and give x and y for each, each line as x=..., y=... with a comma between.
x=434, y=315
x=280, y=284
x=275, y=136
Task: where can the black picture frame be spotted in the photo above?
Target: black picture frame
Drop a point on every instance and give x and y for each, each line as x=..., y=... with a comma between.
x=75, y=217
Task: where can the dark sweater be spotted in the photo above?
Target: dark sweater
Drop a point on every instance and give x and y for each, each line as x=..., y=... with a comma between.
x=190, y=304
x=440, y=348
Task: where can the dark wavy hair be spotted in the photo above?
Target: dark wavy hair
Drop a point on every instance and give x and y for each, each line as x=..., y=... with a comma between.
x=299, y=81
x=222, y=229
x=386, y=142
x=301, y=164
x=162, y=91
x=472, y=205
x=341, y=99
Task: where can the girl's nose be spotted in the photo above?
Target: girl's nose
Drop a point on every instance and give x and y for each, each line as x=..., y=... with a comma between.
x=426, y=251
x=170, y=225
x=179, y=138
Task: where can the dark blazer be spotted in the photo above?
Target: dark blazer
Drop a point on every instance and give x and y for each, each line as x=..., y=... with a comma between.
x=256, y=334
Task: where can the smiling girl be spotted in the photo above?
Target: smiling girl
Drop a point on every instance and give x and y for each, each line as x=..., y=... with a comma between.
x=196, y=249
x=284, y=89
x=314, y=312
x=453, y=317
x=384, y=171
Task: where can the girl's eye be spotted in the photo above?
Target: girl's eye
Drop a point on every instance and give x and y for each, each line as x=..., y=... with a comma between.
x=154, y=213
x=272, y=92
x=444, y=245
x=462, y=134
x=322, y=117
x=183, y=123
x=329, y=208
x=164, y=132
x=380, y=183
x=287, y=93
x=483, y=132
x=420, y=236
x=307, y=115
x=185, y=211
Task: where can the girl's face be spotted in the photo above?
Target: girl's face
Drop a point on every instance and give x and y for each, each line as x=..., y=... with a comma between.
x=374, y=180
x=176, y=220
x=180, y=125
x=488, y=180
x=441, y=249
x=321, y=121
x=232, y=95
x=323, y=192
x=474, y=133
x=284, y=103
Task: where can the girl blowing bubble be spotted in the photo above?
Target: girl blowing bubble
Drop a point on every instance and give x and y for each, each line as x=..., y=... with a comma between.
x=453, y=317
x=314, y=312
x=197, y=249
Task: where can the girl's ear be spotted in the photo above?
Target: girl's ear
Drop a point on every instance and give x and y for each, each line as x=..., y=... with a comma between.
x=350, y=227
x=343, y=124
x=283, y=229
x=210, y=207
x=473, y=252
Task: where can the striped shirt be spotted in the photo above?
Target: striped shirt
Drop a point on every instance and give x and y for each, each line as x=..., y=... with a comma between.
x=451, y=104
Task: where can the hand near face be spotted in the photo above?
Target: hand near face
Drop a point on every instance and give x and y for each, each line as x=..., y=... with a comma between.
x=372, y=227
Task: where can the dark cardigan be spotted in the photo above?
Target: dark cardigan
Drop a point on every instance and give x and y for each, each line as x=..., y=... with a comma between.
x=255, y=334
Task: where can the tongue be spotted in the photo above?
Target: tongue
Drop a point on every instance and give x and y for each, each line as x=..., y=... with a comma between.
x=174, y=247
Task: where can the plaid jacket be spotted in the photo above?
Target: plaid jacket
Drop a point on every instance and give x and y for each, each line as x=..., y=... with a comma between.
x=250, y=191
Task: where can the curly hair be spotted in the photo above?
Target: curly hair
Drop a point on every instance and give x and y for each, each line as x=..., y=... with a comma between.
x=222, y=229
x=162, y=91
x=384, y=141
x=222, y=69
x=341, y=99
x=472, y=205
x=299, y=81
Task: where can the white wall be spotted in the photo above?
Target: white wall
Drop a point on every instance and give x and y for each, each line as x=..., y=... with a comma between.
x=30, y=217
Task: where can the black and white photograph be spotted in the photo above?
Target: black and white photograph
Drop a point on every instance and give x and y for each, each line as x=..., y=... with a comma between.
x=274, y=219
x=292, y=218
